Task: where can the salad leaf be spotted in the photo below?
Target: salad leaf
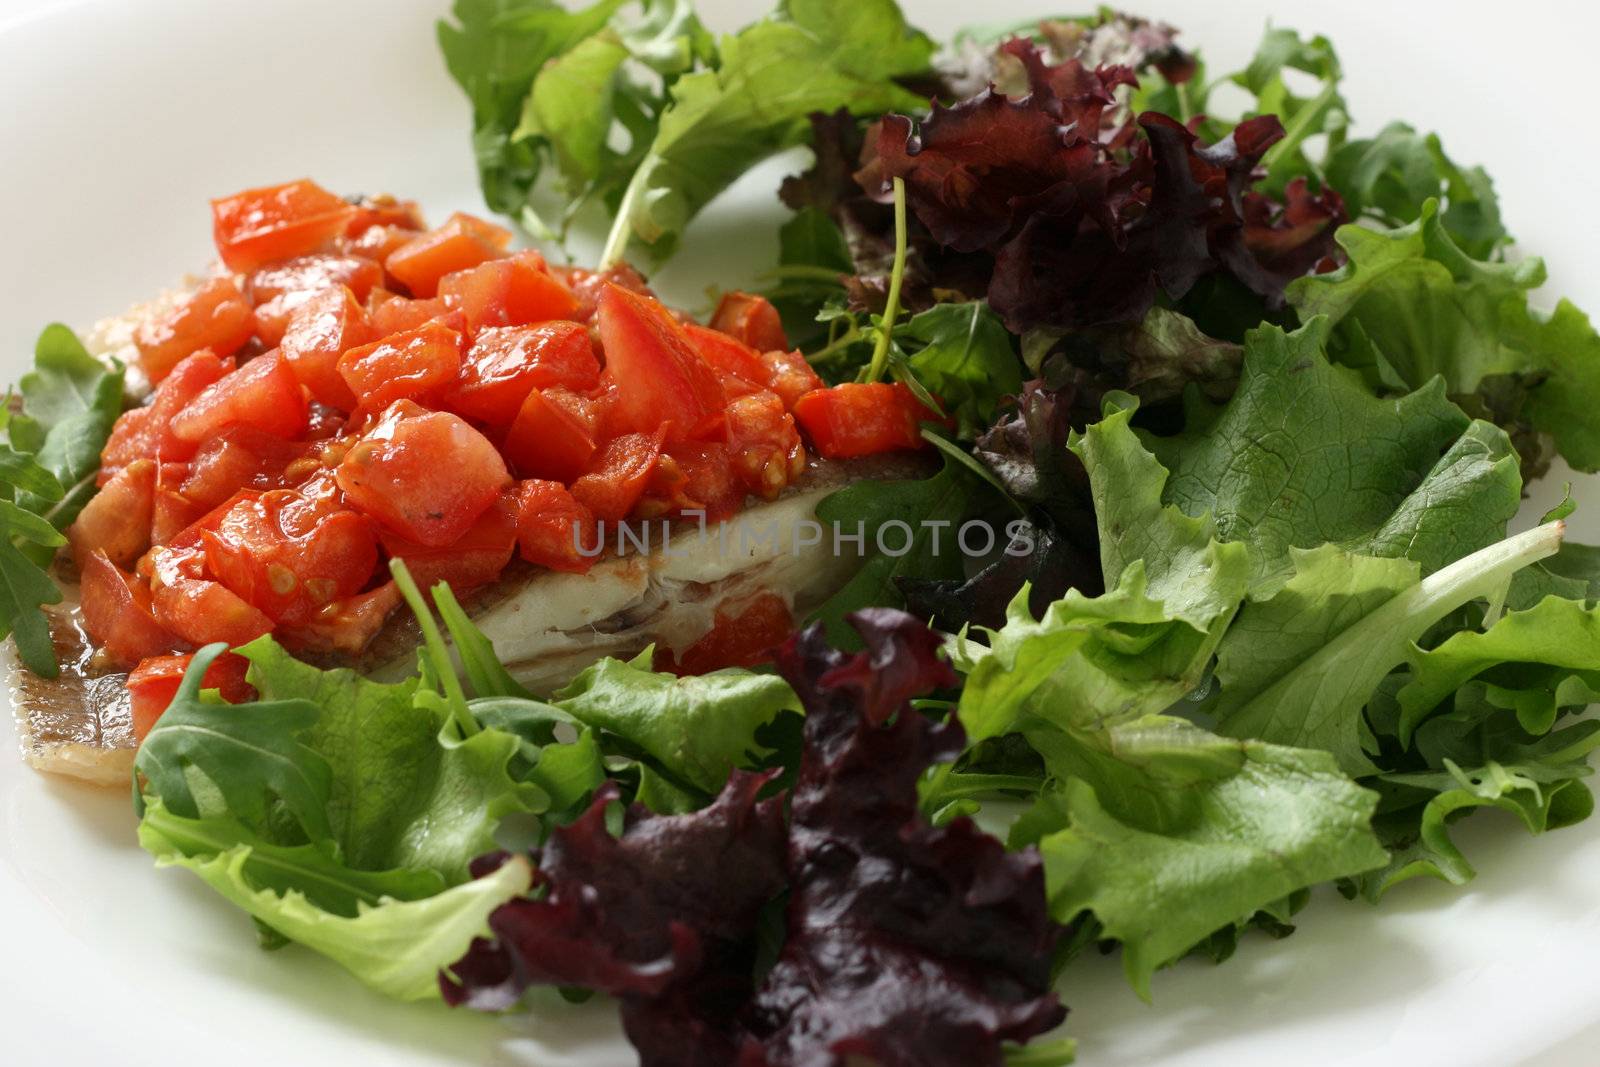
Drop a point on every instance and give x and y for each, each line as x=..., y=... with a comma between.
x=965, y=359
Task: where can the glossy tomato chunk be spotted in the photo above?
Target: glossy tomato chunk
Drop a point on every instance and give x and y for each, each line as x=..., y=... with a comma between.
x=243, y=457
x=291, y=556
x=347, y=625
x=215, y=316
x=146, y=433
x=413, y=365
x=692, y=476
x=281, y=289
x=752, y=319
x=462, y=242
x=728, y=355
x=263, y=393
x=764, y=447
x=323, y=329
x=860, y=419
x=618, y=475
x=425, y=475
x=743, y=635
x=154, y=683
x=514, y=291
x=586, y=285
x=384, y=210
x=504, y=363
x=553, y=529
x=276, y=222
x=394, y=314
x=476, y=559
x=117, y=613
x=551, y=438
x=196, y=608
x=789, y=375
x=659, y=376
x=116, y=521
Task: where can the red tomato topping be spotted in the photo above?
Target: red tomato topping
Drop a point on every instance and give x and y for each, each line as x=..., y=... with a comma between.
x=659, y=376
x=554, y=529
x=199, y=610
x=347, y=625
x=505, y=362
x=860, y=419
x=283, y=288
x=426, y=476
x=262, y=225
x=117, y=614
x=550, y=438
x=693, y=476
x=323, y=329
x=384, y=211
x=146, y=433
x=764, y=445
x=215, y=316
x=413, y=365
x=154, y=683
x=728, y=355
x=263, y=393
x=476, y=559
x=116, y=521
x=243, y=457
x=743, y=636
x=789, y=375
x=752, y=319
x=462, y=242
x=290, y=556
x=587, y=284
x=508, y=292
x=618, y=475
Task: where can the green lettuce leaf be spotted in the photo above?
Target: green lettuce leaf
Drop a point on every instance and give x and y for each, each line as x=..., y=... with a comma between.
x=965, y=359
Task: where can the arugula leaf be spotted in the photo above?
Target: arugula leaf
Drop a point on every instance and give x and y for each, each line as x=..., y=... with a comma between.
x=396, y=946
x=965, y=359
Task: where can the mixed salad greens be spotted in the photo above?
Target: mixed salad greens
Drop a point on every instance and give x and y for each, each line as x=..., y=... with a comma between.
x=1263, y=397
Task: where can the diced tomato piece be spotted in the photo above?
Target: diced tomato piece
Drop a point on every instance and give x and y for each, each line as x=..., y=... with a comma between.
x=263, y=393
x=116, y=521
x=154, y=683
x=414, y=365
x=243, y=457
x=660, y=377
x=290, y=556
x=586, y=285
x=425, y=475
x=259, y=226
x=692, y=476
x=173, y=513
x=283, y=288
x=476, y=559
x=117, y=614
x=462, y=242
x=789, y=375
x=862, y=418
x=728, y=355
x=215, y=316
x=618, y=475
x=554, y=529
x=764, y=445
x=394, y=314
x=197, y=609
x=744, y=635
x=378, y=243
x=347, y=625
x=146, y=433
x=323, y=329
x=548, y=440
x=504, y=363
x=752, y=319
x=515, y=291
x=384, y=211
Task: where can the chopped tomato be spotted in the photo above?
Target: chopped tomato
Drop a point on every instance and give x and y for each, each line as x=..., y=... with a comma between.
x=752, y=319
x=117, y=615
x=692, y=476
x=618, y=475
x=789, y=375
x=290, y=556
x=514, y=291
x=476, y=559
x=243, y=457
x=764, y=445
x=860, y=419
x=197, y=609
x=505, y=362
x=259, y=226
x=116, y=521
x=393, y=314
x=554, y=529
x=414, y=365
x=586, y=286
x=425, y=475
x=462, y=242
x=549, y=438
x=154, y=683
x=323, y=329
x=378, y=243
x=173, y=513
x=743, y=636
x=728, y=355
x=146, y=433
x=347, y=625
x=384, y=211
x=215, y=316
x=263, y=393
x=659, y=376
x=283, y=288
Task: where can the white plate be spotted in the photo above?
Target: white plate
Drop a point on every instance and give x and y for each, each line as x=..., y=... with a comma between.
x=121, y=119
